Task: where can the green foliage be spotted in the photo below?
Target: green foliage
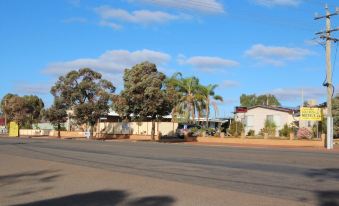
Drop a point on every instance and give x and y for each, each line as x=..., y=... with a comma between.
x=285, y=131
x=269, y=127
x=143, y=95
x=251, y=132
x=236, y=128
x=34, y=107
x=208, y=93
x=24, y=110
x=253, y=100
x=86, y=93
x=189, y=98
x=57, y=114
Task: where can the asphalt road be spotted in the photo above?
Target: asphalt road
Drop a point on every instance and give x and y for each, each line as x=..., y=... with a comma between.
x=70, y=172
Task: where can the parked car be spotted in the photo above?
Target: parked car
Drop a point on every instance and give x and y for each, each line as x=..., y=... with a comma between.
x=191, y=129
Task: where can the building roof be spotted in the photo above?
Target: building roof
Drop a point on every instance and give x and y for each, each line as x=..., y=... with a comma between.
x=276, y=108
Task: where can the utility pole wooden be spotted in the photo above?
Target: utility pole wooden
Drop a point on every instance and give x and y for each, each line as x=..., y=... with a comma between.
x=327, y=36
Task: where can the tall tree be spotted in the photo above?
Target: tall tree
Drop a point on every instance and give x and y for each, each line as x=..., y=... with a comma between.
x=208, y=93
x=57, y=114
x=34, y=106
x=143, y=94
x=253, y=100
x=16, y=110
x=190, y=96
x=24, y=110
x=86, y=93
x=4, y=104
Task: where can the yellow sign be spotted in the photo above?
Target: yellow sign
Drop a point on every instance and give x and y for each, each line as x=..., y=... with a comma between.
x=310, y=114
x=13, y=129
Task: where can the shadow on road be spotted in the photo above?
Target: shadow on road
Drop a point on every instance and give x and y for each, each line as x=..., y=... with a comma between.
x=31, y=176
x=323, y=174
x=328, y=198
x=104, y=198
x=28, y=182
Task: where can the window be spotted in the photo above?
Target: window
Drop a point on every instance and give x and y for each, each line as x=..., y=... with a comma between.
x=270, y=118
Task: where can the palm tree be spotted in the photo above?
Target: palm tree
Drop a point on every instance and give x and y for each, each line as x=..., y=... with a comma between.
x=208, y=93
x=188, y=89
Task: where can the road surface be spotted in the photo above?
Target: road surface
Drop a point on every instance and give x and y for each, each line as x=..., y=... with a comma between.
x=72, y=172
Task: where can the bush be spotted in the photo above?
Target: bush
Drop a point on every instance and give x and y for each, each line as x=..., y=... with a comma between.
x=251, y=132
x=269, y=128
x=236, y=128
x=304, y=133
x=285, y=131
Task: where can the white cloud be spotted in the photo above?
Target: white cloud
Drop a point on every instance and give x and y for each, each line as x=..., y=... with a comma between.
x=145, y=17
x=271, y=3
x=229, y=84
x=208, y=6
x=294, y=94
x=207, y=63
x=111, y=63
x=110, y=24
x=276, y=55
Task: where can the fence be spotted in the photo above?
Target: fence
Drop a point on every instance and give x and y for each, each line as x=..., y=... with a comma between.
x=34, y=132
x=132, y=130
x=136, y=128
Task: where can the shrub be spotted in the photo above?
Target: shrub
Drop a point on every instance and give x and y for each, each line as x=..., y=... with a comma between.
x=236, y=128
x=304, y=133
x=270, y=127
x=285, y=131
x=251, y=132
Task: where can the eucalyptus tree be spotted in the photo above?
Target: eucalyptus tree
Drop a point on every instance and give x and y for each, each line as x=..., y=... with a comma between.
x=24, y=110
x=86, y=93
x=144, y=94
x=57, y=114
x=34, y=107
x=254, y=100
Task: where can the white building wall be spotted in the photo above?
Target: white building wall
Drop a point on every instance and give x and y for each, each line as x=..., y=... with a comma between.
x=255, y=118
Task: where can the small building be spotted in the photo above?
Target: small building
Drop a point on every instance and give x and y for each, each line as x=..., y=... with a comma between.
x=254, y=117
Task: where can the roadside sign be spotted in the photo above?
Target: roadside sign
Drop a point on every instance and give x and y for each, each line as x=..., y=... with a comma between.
x=310, y=114
x=13, y=129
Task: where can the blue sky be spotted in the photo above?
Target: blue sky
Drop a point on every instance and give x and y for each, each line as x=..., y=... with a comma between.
x=247, y=46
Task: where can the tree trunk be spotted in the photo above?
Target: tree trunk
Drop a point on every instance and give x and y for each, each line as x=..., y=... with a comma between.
x=193, y=112
x=91, y=131
x=153, y=130
x=59, y=130
x=18, y=130
x=207, y=111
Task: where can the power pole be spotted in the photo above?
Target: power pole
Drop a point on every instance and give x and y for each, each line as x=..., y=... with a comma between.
x=327, y=36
